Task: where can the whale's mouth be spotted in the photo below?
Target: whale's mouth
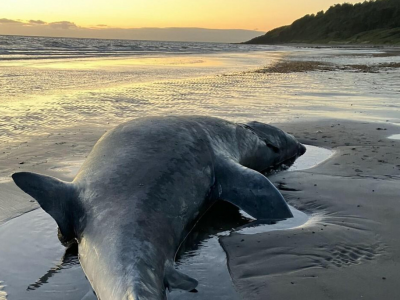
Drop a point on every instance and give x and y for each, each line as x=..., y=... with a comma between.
x=289, y=162
x=281, y=166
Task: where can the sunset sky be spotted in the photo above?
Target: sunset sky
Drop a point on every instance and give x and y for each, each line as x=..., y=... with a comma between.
x=261, y=15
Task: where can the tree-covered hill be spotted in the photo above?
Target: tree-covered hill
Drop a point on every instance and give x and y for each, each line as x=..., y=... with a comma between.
x=371, y=22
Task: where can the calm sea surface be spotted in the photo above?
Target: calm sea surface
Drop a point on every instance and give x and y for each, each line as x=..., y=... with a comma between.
x=22, y=47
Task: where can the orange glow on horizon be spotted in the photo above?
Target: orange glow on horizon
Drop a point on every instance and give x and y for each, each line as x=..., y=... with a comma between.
x=260, y=15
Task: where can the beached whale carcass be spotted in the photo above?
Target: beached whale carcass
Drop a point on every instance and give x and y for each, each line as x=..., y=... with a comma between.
x=145, y=184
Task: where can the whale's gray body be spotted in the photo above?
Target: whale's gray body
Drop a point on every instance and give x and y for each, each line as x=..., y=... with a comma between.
x=146, y=183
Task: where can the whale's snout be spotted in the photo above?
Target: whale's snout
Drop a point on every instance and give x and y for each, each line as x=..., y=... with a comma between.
x=301, y=149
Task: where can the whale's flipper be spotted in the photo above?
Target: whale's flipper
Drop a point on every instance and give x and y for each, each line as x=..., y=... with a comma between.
x=177, y=280
x=250, y=191
x=56, y=197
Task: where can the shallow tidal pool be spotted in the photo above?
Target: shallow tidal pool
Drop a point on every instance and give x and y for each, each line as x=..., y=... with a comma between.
x=394, y=137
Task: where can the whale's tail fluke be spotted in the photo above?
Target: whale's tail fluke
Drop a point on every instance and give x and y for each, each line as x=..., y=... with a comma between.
x=56, y=197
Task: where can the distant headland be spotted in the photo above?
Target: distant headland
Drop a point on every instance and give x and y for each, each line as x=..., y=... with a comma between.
x=371, y=22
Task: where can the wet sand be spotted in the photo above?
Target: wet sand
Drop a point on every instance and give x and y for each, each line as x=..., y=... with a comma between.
x=350, y=249
x=308, y=66
x=55, y=154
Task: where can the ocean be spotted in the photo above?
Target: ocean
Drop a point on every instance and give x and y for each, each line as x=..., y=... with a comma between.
x=27, y=47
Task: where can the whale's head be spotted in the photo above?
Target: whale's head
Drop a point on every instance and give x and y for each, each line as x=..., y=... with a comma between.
x=277, y=147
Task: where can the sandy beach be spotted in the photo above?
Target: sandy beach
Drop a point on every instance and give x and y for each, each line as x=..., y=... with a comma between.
x=347, y=100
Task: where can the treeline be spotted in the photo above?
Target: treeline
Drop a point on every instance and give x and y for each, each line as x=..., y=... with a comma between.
x=372, y=22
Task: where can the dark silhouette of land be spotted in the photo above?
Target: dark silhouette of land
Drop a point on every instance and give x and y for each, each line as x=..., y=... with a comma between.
x=372, y=22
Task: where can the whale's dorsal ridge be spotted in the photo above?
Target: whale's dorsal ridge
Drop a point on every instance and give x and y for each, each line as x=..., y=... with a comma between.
x=56, y=197
x=250, y=191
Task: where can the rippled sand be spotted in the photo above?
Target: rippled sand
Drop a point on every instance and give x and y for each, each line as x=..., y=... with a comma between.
x=101, y=94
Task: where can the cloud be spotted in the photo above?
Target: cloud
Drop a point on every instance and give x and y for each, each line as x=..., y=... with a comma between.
x=63, y=25
x=9, y=21
x=102, y=31
x=37, y=22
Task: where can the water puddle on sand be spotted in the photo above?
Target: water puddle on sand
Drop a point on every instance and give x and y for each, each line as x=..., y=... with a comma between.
x=31, y=261
x=34, y=265
x=394, y=137
x=313, y=157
